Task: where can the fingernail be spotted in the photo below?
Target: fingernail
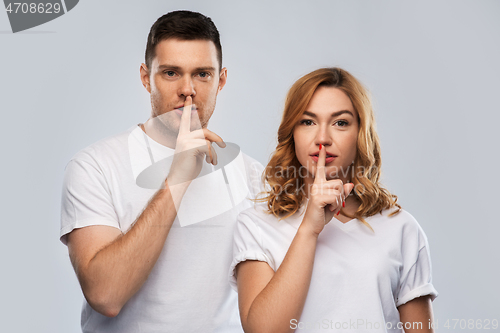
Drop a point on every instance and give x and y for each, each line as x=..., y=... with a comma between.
x=320, y=146
x=338, y=212
x=343, y=204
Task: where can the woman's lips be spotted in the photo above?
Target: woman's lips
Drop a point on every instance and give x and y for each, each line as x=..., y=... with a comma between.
x=327, y=160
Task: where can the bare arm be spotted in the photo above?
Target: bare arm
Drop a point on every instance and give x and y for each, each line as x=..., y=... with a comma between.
x=112, y=266
x=416, y=315
x=269, y=301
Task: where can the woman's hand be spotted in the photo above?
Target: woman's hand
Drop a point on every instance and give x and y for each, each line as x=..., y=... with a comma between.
x=325, y=198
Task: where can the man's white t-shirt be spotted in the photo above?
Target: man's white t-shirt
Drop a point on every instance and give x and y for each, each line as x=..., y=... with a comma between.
x=188, y=289
x=359, y=277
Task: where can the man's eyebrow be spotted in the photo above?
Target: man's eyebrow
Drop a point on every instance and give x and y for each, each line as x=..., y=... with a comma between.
x=199, y=69
x=177, y=68
x=333, y=115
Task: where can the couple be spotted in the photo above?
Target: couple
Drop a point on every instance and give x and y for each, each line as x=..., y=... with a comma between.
x=326, y=248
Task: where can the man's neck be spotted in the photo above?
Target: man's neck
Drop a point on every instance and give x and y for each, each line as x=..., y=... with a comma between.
x=152, y=131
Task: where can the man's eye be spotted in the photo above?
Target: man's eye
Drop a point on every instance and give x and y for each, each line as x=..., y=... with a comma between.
x=204, y=74
x=170, y=73
x=307, y=122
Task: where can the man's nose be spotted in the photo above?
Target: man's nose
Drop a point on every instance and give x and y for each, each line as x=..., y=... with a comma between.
x=186, y=87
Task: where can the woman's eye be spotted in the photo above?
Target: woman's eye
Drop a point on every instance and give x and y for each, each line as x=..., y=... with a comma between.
x=342, y=123
x=306, y=122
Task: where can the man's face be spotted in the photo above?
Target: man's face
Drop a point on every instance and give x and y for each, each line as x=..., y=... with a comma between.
x=183, y=68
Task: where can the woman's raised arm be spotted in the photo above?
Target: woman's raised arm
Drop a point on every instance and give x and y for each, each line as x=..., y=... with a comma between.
x=268, y=301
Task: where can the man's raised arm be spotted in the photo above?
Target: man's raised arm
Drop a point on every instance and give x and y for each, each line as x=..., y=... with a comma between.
x=112, y=266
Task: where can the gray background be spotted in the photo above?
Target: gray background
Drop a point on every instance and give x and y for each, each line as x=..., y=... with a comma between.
x=432, y=67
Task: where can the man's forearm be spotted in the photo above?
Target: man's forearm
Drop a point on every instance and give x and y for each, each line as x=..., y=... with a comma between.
x=119, y=270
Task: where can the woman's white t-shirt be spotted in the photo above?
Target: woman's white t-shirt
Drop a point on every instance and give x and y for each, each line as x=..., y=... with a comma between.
x=359, y=277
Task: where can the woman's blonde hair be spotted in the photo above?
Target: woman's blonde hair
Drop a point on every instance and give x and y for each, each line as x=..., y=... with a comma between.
x=286, y=194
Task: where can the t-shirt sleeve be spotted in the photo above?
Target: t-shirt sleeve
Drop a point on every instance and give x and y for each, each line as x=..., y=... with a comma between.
x=247, y=244
x=254, y=170
x=416, y=275
x=86, y=198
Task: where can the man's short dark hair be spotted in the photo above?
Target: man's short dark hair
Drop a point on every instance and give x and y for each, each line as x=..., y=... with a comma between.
x=183, y=25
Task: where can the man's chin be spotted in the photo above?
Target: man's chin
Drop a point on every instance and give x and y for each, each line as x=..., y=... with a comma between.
x=165, y=126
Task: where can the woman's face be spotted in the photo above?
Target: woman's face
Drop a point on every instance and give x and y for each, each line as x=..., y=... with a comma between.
x=329, y=120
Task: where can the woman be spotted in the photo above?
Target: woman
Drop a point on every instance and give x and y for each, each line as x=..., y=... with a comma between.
x=331, y=248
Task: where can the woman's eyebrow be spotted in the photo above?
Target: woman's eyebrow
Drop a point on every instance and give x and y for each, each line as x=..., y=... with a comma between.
x=333, y=115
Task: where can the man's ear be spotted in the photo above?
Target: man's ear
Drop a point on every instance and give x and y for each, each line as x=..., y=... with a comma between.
x=222, y=79
x=145, y=77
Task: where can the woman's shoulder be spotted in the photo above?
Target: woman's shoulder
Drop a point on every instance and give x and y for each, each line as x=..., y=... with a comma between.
x=258, y=210
x=400, y=219
x=259, y=214
x=400, y=215
x=395, y=215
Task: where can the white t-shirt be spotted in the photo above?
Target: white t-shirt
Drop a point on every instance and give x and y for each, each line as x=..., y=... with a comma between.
x=188, y=289
x=359, y=277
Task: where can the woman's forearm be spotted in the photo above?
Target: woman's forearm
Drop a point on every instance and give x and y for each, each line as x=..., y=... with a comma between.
x=284, y=296
x=417, y=315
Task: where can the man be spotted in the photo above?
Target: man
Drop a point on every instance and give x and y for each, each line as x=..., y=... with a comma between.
x=142, y=265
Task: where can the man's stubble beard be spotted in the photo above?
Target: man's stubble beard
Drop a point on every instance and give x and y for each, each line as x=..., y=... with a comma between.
x=166, y=121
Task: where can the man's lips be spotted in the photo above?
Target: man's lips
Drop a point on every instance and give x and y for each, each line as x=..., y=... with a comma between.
x=180, y=109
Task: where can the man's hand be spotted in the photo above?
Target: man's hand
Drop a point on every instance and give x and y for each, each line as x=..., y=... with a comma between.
x=112, y=266
x=190, y=148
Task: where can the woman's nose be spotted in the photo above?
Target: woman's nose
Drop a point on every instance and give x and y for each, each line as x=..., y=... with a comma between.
x=323, y=136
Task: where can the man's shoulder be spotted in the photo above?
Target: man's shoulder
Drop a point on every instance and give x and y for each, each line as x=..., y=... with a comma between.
x=254, y=170
x=113, y=145
x=252, y=163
